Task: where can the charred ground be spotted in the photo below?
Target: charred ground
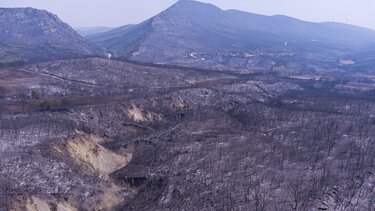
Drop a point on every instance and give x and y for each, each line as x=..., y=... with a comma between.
x=143, y=137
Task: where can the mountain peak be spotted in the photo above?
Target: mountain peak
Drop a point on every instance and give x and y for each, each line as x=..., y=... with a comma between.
x=188, y=11
x=191, y=6
x=26, y=12
x=39, y=35
x=39, y=21
x=186, y=2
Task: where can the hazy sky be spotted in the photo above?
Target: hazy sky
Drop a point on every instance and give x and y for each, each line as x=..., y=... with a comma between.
x=121, y=12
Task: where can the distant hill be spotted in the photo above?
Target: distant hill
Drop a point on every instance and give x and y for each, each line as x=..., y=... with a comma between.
x=119, y=36
x=198, y=34
x=84, y=31
x=30, y=35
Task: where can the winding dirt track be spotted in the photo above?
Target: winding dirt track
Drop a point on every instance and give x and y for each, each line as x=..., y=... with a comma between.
x=60, y=78
x=57, y=103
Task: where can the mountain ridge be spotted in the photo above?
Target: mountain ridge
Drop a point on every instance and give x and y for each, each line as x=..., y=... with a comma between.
x=31, y=35
x=190, y=27
x=87, y=30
